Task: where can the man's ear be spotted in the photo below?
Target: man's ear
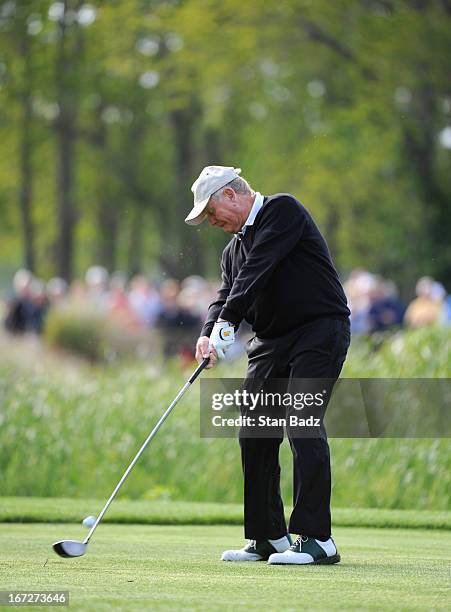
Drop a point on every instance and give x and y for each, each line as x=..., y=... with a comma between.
x=229, y=193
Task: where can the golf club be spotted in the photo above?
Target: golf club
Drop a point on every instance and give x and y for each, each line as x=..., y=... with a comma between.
x=73, y=548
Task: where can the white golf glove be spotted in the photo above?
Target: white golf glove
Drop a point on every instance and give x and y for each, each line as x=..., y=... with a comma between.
x=222, y=336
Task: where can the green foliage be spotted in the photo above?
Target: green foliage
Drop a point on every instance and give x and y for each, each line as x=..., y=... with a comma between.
x=83, y=332
x=74, y=435
x=80, y=333
x=423, y=353
x=341, y=103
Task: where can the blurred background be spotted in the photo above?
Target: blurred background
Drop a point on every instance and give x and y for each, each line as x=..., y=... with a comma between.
x=108, y=112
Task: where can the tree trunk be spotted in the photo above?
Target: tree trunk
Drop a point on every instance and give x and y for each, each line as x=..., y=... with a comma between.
x=67, y=84
x=107, y=224
x=26, y=149
x=188, y=256
x=107, y=212
x=65, y=196
x=421, y=149
x=135, y=242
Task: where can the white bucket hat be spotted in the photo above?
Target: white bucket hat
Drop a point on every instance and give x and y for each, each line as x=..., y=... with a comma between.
x=210, y=180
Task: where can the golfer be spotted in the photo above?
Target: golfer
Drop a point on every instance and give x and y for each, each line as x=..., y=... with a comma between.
x=278, y=275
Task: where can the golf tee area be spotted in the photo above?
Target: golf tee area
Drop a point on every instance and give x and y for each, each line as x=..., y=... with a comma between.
x=166, y=556
x=69, y=432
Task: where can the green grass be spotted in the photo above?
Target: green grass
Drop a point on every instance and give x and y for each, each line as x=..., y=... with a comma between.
x=174, y=568
x=71, y=430
x=57, y=510
x=421, y=353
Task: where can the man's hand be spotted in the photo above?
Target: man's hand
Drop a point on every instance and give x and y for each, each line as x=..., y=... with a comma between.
x=222, y=337
x=203, y=350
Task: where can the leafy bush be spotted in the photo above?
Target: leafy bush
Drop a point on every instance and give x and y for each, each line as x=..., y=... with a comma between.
x=91, y=336
x=79, y=332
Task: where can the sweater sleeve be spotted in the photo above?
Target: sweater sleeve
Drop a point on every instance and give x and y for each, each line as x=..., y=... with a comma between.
x=223, y=292
x=279, y=230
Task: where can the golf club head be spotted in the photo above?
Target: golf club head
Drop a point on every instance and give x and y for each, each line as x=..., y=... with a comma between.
x=69, y=548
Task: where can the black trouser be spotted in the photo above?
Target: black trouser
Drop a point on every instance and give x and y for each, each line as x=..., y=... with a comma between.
x=315, y=350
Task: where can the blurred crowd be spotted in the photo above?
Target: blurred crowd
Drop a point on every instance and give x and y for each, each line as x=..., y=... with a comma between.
x=177, y=309
x=376, y=306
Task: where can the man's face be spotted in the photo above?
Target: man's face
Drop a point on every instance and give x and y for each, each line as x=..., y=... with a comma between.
x=227, y=212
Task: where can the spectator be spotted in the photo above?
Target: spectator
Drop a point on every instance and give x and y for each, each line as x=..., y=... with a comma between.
x=447, y=311
x=386, y=310
x=358, y=289
x=427, y=308
x=145, y=300
x=20, y=308
x=77, y=295
x=97, y=279
x=178, y=320
x=119, y=307
x=56, y=290
x=40, y=305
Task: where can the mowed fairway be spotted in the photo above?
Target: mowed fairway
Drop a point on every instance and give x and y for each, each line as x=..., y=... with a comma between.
x=140, y=567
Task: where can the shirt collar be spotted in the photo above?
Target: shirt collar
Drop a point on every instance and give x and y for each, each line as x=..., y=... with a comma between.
x=258, y=203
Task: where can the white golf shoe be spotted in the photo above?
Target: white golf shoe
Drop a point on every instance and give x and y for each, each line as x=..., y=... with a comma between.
x=307, y=551
x=258, y=551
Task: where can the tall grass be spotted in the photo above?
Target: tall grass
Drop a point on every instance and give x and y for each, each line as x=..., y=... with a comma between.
x=73, y=436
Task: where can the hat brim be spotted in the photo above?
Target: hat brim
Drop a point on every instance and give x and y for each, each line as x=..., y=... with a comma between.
x=198, y=214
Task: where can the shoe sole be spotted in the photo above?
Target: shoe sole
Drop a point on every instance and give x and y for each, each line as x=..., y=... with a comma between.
x=244, y=560
x=325, y=561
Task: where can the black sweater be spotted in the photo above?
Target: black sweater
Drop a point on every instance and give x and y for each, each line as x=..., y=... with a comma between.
x=279, y=275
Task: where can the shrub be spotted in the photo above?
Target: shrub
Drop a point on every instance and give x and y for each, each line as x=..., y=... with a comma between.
x=90, y=335
x=79, y=332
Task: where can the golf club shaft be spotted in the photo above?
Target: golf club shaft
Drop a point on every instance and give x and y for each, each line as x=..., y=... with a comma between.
x=144, y=446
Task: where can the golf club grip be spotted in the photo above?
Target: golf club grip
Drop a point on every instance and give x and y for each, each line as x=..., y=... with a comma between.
x=199, y=369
